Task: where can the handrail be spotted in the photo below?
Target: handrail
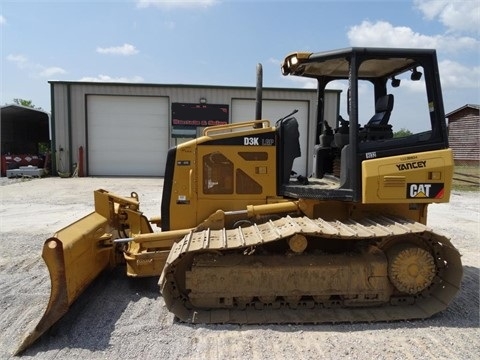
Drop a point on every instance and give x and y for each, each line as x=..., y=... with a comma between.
x=229, y=127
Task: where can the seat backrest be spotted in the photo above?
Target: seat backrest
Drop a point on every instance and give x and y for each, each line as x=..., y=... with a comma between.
x=288, y=148
x=383, y=109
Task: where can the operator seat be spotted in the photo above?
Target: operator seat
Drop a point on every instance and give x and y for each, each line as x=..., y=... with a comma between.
x=378, y=127
x=383, y=109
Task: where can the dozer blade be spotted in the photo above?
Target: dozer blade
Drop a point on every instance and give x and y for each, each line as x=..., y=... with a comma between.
x=74, y=257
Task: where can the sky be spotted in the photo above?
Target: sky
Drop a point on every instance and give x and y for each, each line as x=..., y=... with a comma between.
x=220, y=42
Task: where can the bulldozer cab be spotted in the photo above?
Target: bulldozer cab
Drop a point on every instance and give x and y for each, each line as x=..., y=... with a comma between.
x=379, y=119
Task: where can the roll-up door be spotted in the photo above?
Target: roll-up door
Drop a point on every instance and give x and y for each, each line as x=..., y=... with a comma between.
x=127, y=135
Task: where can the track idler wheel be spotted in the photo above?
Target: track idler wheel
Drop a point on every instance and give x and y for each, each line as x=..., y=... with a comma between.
x=298, y=243
x=411, y=269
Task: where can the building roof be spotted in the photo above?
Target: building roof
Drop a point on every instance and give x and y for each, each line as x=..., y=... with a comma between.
x=20, y=110
x=471, y=106
x=197, y=86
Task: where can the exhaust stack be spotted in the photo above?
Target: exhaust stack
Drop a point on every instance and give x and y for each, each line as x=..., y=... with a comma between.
x=259, y=88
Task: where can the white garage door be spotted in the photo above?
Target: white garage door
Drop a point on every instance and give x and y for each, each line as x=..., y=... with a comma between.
x=127, y=135
x=244, y=110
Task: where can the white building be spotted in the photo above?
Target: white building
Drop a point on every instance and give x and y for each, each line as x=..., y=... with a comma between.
x=126, y=129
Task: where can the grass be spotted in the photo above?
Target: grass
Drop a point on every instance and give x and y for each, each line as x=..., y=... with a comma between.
x=466, y=178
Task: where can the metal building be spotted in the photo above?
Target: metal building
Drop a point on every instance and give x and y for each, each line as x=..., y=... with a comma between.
x=126, y=129
x=24, y=134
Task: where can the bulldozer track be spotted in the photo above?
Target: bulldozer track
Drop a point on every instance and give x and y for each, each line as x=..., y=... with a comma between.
x=379, y=230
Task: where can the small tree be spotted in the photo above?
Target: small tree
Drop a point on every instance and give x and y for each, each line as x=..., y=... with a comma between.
x=27, y=103
x=402, y=133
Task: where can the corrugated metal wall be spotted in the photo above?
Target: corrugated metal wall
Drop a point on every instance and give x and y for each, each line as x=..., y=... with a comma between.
x=69, y=107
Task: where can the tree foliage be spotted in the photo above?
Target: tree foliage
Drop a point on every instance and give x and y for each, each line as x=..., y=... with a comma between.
x=26, y=103
x=402, y=133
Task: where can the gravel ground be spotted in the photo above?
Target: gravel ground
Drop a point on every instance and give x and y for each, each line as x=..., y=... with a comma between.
x=124, y=318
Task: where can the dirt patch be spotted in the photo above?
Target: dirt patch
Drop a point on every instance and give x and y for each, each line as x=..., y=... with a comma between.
x=124, y=318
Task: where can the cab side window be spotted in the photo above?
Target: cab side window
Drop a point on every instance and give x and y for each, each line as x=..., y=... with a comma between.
x=217, y=174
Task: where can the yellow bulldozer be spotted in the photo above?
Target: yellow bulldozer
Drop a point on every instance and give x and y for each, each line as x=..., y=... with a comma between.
x=245, y=240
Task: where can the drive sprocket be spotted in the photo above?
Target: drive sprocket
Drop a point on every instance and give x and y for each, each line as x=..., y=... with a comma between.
x=411, y=269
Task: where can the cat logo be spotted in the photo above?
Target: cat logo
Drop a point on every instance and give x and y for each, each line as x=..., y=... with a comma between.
x=420, y=190
x=429, y=191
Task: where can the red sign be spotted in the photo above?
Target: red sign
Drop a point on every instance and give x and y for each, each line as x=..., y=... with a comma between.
x=194, y=115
